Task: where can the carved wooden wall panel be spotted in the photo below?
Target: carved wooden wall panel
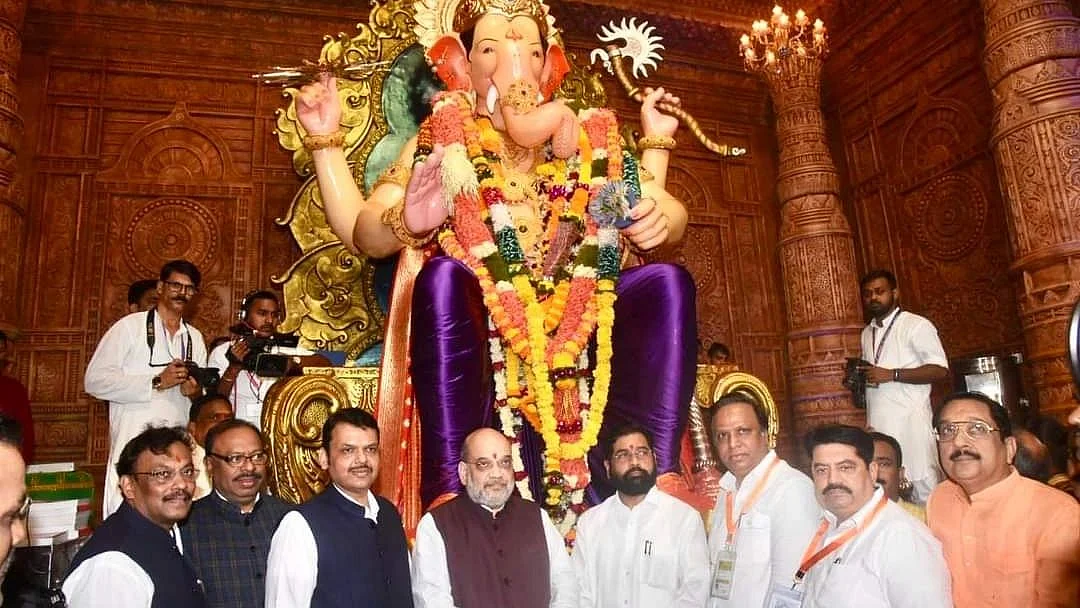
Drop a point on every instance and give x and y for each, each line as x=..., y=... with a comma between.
x=912, y=109
x=147, y=141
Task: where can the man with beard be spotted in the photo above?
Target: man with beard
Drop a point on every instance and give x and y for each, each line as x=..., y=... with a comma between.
x=14, y=503
x=640, y=548
x=890, y=460
x=135, y=558
x=867, y=550
x=140, y=368
x=260, y=313
x=206, y=411
x=765, y=512
x=1009, y=541
x=228, y=533
x=344, y=548
x=506, y=552
x=904, y=357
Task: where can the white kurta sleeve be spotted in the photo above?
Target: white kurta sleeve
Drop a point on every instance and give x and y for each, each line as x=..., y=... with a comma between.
x=791, y=532
x=914, y=574
x=925, y=341
x=109, y=579
x=564, y=584
x=582, y=560
x=106, y=378
x=430, y=572
x=293, y=564
x=693, y=564
x=218, y=358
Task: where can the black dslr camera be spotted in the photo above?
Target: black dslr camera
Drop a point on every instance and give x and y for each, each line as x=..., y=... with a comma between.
x=259, y=359
x=855, y=380
x=206, y=377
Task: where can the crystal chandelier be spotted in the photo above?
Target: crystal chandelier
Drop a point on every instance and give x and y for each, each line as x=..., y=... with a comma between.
x=781, y=44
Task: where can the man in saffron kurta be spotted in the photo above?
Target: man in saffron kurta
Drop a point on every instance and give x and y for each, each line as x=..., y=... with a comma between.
x=1010, y=542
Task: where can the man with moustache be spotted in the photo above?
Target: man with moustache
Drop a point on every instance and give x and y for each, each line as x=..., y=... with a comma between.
x=890, y=460
x=140, y=368
x=14, y=502
x=344, y=548
x=135, y=559
x=765, y=513
x=260, y=313
x=205, y=412
x=640, y=548
x=905, y=357
x=867, y=552
x=1009, y=541
x=227, y=535
x=505, y=551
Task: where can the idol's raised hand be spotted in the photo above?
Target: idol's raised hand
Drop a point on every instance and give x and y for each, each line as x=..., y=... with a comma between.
x=425, y=209
x=654, y=121
x=318, y=108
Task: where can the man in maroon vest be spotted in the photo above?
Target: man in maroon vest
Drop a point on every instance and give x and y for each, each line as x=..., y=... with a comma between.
x=506, y=552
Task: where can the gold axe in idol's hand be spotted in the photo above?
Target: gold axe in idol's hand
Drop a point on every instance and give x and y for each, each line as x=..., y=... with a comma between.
x=643, y=50
x=309, y=71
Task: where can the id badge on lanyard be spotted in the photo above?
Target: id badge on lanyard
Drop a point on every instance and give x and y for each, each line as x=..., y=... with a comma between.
x=723, y=573
x=783, y=596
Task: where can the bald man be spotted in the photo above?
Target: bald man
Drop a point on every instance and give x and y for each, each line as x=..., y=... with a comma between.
x=507, y=553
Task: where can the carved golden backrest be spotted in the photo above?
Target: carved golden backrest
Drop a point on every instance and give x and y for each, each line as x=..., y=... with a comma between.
x=292, y=419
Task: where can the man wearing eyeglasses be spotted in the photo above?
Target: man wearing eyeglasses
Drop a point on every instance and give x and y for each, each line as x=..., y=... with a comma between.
x=640, y=548
x=135, y=559
x=1009, y=541
x=346, y=547
x=490, y=547
x=140, y=368
x=206, y=411
x=228, y=533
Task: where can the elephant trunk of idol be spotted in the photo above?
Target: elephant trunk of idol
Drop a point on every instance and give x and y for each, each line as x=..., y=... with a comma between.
x=527, y=118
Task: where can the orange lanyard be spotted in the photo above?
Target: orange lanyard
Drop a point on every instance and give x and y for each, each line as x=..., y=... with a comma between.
x=750, y=500
x=810, y=558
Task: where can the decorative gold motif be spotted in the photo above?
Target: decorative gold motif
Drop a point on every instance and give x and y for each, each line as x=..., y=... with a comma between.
x=292, y=418
x=656, y=142
x=470, y=11
x=328, y=140
x=521, y=96
x=397, y=174
x=361, y=383
x=392, y=219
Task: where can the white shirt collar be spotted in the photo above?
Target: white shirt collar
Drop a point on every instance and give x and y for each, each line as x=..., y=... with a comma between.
x=859, y=516
x=888, y=318
x=727, y=482
x=371, y=509
x=651, y=498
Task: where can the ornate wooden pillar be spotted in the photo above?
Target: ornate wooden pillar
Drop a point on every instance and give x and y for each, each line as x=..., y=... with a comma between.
x=12, y=205
x=1032, y=59
x=817, y=252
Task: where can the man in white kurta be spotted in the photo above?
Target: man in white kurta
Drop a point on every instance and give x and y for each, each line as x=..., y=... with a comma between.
x=905, y=356
x=868, y=552
x=640, y=548
x=147, y=386
x=773, y=509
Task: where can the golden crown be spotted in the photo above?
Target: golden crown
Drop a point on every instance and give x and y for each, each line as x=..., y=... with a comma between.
x=470, y=11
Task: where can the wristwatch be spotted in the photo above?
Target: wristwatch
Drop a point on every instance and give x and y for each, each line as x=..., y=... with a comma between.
x=156, y=383
x=896, y=375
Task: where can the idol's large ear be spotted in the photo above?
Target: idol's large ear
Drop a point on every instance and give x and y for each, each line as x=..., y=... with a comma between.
x=556, y=67
x=450, y=61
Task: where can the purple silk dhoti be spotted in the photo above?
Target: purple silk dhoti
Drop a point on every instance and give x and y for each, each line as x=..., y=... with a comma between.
x=652, y=369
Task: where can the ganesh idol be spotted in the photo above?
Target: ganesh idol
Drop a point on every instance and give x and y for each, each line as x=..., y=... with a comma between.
x=522, y=316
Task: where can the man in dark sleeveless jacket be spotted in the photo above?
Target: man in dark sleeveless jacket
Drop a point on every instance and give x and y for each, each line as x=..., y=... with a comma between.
x=135, y=559
x=345, y=547
x=506, y=552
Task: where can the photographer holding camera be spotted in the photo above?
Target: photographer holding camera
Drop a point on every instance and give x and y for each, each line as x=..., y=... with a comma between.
x=147, y=366
x=902, y=356
x=250, y=369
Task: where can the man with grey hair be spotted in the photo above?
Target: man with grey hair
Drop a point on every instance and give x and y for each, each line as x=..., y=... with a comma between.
x=506, y=550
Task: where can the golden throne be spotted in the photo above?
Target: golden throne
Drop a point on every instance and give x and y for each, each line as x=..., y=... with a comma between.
x=337, y=301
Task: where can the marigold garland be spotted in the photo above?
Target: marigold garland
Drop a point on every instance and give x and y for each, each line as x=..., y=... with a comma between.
x=543, y=317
